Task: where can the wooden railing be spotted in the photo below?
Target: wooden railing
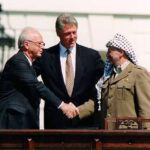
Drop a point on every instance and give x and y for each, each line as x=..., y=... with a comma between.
x=75, y=139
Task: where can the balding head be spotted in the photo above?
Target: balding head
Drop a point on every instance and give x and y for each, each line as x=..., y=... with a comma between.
x=27, y=33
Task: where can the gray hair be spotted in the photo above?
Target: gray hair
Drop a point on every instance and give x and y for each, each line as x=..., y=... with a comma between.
x=64, y=19
x=26, y=34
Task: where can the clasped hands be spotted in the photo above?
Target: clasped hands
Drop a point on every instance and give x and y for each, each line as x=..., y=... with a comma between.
x=70, y=110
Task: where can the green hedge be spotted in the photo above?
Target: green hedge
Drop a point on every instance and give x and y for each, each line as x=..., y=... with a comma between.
x=103, y=55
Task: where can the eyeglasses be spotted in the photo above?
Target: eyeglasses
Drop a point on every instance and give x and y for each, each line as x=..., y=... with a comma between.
x=41, y=44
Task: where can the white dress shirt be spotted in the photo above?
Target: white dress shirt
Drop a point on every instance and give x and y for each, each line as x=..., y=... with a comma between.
x=63, y=57
x=30, y=62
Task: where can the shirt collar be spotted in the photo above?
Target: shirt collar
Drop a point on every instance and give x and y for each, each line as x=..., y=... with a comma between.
x=121, y=67
x=124, y=65
x=63, y=49
x=30, y=62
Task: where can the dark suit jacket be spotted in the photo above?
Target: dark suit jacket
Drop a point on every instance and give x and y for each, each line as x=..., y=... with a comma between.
x=19, y=94
x=89, y=68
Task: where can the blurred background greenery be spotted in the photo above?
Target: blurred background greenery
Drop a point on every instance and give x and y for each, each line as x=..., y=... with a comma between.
x=103, y=55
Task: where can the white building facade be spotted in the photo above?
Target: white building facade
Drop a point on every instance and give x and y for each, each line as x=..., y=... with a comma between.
x=98, y=21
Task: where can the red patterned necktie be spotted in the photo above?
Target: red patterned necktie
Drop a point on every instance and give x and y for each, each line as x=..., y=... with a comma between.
x=69, y=73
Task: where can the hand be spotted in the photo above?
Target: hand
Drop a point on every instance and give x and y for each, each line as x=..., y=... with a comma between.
x=74, y=114
x=70, y=110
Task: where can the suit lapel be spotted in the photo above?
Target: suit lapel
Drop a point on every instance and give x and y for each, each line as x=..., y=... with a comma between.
x=80, y=70
x=21, y=54
x=55, y=61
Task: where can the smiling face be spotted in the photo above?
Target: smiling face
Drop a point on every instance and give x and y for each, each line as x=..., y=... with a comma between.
x=68, y=36
x=115, y=56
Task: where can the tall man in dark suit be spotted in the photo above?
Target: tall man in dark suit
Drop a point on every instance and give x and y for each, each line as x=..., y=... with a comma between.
x=20, y=90
x=87, y=69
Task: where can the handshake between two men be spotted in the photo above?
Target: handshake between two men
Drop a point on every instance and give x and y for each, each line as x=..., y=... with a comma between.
x=70, y=110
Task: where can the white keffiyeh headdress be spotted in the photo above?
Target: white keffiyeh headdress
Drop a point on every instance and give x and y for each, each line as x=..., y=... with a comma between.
x=119, y=42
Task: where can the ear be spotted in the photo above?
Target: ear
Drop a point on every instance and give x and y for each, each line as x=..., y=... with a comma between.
x=26, y=44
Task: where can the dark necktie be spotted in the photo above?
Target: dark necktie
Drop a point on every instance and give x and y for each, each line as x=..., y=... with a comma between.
x=69, y=73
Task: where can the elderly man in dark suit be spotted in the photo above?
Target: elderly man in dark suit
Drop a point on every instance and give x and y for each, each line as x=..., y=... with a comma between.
x=87, y=67
x=20, y=90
